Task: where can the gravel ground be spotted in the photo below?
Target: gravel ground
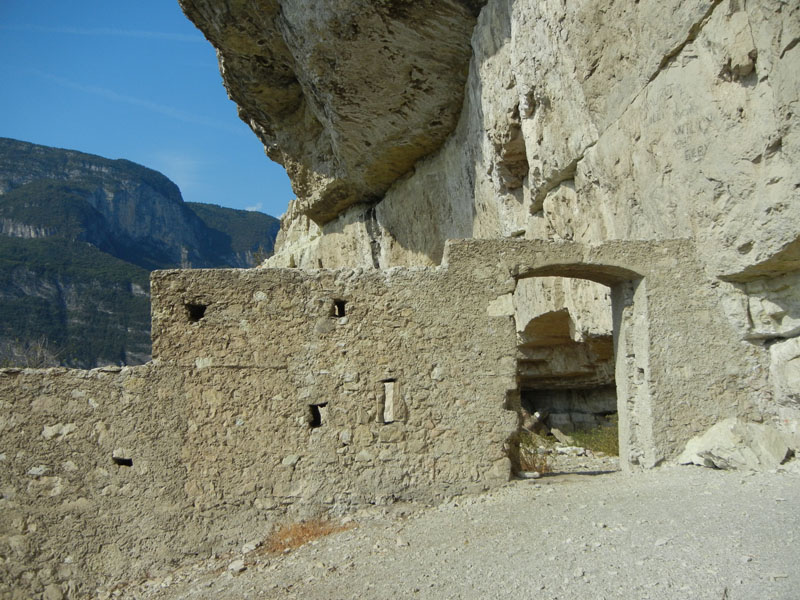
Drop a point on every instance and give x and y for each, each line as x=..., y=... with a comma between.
x=674, y=532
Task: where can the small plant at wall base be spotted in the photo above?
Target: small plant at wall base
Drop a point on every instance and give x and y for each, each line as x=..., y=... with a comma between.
x=294, y=535
x=532, y=455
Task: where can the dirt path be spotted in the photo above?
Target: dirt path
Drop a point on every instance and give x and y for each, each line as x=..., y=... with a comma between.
x=675, y=532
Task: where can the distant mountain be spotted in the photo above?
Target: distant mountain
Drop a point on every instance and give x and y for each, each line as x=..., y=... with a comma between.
x=78, y=236
x=248, y=233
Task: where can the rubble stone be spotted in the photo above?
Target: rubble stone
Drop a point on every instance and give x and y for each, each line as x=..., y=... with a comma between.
x=733, y=444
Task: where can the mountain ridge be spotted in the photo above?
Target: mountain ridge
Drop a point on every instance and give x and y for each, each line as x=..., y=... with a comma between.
x=79, y=234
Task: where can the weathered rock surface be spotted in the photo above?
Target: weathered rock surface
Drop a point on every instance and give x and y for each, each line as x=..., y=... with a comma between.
x=733, y=444
x=346, y=95
x=635, y=122
x=590, y=121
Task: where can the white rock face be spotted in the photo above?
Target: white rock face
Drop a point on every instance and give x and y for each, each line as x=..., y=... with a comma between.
x=784, y=371
x=732, y=444
x=346, y=95
x=640, y=122
x=591, y=121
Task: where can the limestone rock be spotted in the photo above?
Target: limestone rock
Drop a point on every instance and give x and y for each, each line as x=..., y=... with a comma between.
x=562, y=437
x=237, y=566
x=733, y=444
x=58, y=430
x=617, y=106
x=53, y=592
x=785, y=370
x=346, y=95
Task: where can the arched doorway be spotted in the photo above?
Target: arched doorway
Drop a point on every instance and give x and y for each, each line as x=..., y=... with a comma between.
x=679, y=366
x=565, y=369
x=582, y=347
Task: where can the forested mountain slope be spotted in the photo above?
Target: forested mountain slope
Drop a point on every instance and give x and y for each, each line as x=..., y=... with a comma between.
x=78, y=236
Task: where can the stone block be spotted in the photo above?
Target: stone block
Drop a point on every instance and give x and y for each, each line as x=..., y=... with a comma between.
x=734, y=444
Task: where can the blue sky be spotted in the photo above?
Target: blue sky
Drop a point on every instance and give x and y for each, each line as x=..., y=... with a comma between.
x=132, y=80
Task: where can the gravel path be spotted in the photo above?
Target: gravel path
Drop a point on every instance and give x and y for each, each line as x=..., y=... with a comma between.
x=674, y=532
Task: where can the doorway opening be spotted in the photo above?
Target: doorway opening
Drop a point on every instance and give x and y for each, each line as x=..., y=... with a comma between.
x=566, y=376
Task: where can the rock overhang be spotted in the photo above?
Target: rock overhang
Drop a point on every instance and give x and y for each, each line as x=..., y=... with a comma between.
x=347, y=96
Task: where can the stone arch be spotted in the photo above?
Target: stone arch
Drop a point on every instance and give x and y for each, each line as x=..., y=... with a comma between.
x=680, y=366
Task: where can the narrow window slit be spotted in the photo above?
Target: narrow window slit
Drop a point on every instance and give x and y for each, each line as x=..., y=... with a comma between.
x=122, y=462
x=317, y=410
x=387, y=410
x=338, y=309
x=195, y=312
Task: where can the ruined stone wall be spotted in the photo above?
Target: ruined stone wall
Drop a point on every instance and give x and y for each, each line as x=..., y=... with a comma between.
x=673, y=380
x=73, y=518
x=269, y=403
x=284, y=393
x=297, y=363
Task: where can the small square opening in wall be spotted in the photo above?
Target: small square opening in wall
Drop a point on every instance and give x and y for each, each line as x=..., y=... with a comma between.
x=318, y=412
x=338, y=309
x=195, y=312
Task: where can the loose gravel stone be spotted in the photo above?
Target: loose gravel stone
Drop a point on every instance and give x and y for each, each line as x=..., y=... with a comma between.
x=675, y=532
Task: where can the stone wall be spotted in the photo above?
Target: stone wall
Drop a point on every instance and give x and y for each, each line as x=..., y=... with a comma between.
x=673, y=380
x=288, y=394
x=285, y=393
x=76, y=512
x=297, y=364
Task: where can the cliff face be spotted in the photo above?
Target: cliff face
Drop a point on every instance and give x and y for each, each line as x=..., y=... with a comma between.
x=78, y=235
x=587, y=121
x=592, y=121
x=346, y=95
x=123, y=208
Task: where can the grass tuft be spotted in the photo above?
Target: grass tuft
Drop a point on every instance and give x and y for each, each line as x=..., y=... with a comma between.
x=603, y=438
x=532, y=455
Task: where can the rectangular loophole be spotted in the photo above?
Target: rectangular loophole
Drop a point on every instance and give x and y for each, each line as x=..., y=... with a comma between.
x=122, y=462
x=390, y=394
x=338, y=309
x=318, y=412
x=195, y=312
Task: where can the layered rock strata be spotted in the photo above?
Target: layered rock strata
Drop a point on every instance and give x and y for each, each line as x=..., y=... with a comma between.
x=675, y=120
